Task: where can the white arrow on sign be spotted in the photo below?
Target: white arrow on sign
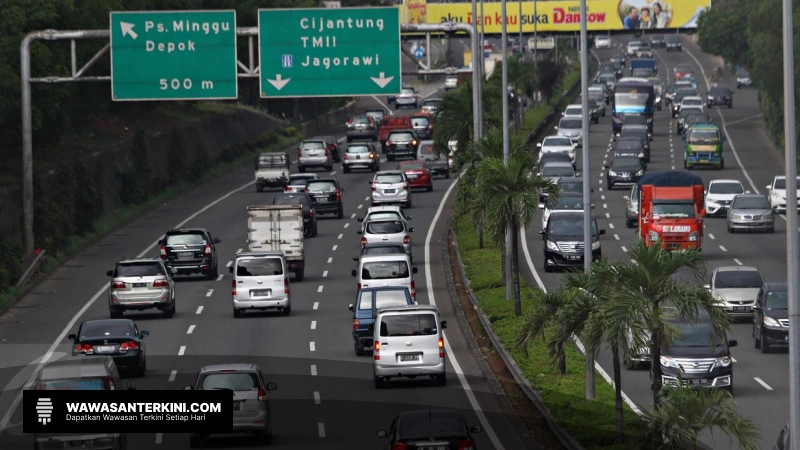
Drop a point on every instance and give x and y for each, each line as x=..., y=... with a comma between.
x=127, y=30
x=382, y=81
x=278, y=83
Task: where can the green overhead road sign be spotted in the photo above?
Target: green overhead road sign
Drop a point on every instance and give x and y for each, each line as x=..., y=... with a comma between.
x=329, y=52
x=173, y=55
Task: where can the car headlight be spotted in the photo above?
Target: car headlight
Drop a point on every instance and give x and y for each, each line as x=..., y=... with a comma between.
x=653, y=236
x=649, y=120
x=552, y=246
x=710, y=97
x=611, y=173
x=641, y=172
x=770, y=322
x=666, y=361
x=718, y=298
x=723, y=361
x=767, y=216
x=736, y=217
x=693, y=236
x=596, y=245
x=711, y=201
x=640, y=155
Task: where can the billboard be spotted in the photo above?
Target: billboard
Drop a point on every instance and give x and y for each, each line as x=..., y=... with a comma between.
x=564, y=15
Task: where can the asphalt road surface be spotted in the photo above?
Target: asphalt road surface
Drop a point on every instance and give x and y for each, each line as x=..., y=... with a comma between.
x=326, y=398
x=761, y=381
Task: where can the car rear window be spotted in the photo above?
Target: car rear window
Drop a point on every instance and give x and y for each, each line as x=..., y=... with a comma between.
x=407, y=92
x=291, y=200
x=358, y=149
x=423, y=324
x=106, y=328
x=738, y=279
x=73, y=384
x=315, y=145
x=298, y=182
x=426, y=426
x=393, y=297
x=420, y=121
x=383, y=216
x=384, y=270
x=143, y=269
x=389, y=178
x=385, y=227
x=235, y=381
x=259, y=267
x=186, y=239
x=361, y=120
x=412, y=166
x=321, y=186
x=384, y=250
x=401, y=137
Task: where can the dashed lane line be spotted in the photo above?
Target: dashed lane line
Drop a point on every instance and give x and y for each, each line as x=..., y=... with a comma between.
x=219, y=277
x=616, y=236
x=340, y=236
x=736, y=260
x=321, y=429
x=313, y=324
x=360, y=206
x=172, y=375
x=723, y=248
x=624, y=249
x=325, y=274
x=317, y=399
x=608, y=216
x=347, y=225
x=159, y=437
x=353, y=216
x=230, y=263
x=182, y=350
x=334, y=248
x=239, y=251
x=762, y=383
x=330, y=260
x=199, y=309
x=319, y=289
x=312, y=347
x=209, y=293
x=366, y=199
x=191, y=329
x=711, y=236
x=316, y=305
x=313, y=370
x=611, y=225
x=333, y=173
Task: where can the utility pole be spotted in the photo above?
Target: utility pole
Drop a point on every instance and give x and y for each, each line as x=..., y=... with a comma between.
x=521, y=48
x=587, y=192
x=793, y=252
x=535, y=54
x=477, y=114
x=506, y=137
x=482, y=70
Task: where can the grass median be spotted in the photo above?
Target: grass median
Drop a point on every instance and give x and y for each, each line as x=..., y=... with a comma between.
x=590, y=422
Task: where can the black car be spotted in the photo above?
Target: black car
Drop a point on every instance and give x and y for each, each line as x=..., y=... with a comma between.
x=190, y=250
x=120, y=339
x=695, y=118
x=720, y=95
x=669, y=92
x=440, y=429
x=401, y=143
x=381, y=248
x=674, y=43
x=680, y=125
x=630, y=146
x=326, y=195
x=784, y=441
x=304, y=200
x=771, y=316
x=333, y=146
x=624, y=171
x=637, y=134
x=571, y=185
x=658, y=41
x=563, y=240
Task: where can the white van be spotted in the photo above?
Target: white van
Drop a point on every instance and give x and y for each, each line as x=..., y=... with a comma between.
x=260, y=282
x=408, y=342
x=386, y=270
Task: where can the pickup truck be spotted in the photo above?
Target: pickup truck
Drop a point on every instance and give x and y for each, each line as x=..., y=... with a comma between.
x=367, y=303
x=272, y=170
x=278, y=228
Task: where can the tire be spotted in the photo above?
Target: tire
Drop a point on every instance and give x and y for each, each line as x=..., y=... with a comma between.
x=630, y=223
x=315, y=232
x=213, y=274
x=345, y=169
x=396, y=107
x=756, y=339
x=359, y=348
x=374, y=138
x=140, y=371
x=237, y=313
x=259, y=188
x=287, y=311
x=730, y=105
x=115, y=313
x=771, y=230
x=441, y=380
x=376, y=168
x=378, y=381
x=389, y=157
x=340, y=213
x=170, y=313
x=547, y=268
x=447, y=176
x=329, y=167
x=301, y=169
x=430, y=187
x=609, y=186
x=731, y=230
x=407, y=205
x=764, y=344
x=299, y=275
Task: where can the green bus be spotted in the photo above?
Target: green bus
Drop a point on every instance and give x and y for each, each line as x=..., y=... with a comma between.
x=703, y=146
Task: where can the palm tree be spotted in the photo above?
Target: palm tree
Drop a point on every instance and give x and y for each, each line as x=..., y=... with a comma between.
x=453, y=119
x=542, y=325
x=685, y=412
x=521, y=80
x=509, y=195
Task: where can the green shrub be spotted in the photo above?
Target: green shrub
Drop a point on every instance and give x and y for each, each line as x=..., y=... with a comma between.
x=11, y=260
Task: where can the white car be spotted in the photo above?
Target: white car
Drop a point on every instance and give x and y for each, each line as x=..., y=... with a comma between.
x=777, y=193
x=574, y=111
x=633, y=46
x=567, y=201
x=572, y=128
x=693, y=101
x=557, y=144
x=720, y=194
x=450, y=82
x=735, y=289
x=602, y=42
x=298, y=181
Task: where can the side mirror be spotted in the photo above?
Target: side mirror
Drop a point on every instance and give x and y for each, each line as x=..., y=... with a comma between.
x=733, y=343
x=71, y=337
x=555, y=128
x=444, y=324
x=350, y=307
x=475, y=429
x=411, y=230
x=577, y=174
x=188, y=388
x=217, y=240
x=592, y=205
x=707, y=286
x=414, y=270
x=601, y=232
x=409, y=217
x=746, y=192
x=369, y=181
x=131, y=386
x=606, y=166
x=541, y=205
x=353, y=272
x=144, y=333
x=626, y=198
x=230, y=269
x=756, y=306
x=359, y=231
x=161, y=242
x=769, y=187
x=383, y=434
x=110, y=273
x=272, y=387
x=539, y=145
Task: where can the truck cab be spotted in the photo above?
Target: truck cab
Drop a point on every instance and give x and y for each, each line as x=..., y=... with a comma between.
x=272, y=170
x=703, y=147
x=671, y=210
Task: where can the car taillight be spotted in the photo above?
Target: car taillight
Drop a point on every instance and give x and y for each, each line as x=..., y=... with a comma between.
x=338, y=195
x=345, y=156
x=233, y=287
x=355, y=324
x=413, y=289
x=285, y=285
x=86, y=349
x=376, y=355
x=299, y=152
x=262, y=396
x=349, y=124
x=399, y=445
x=326, y=152
x=125, y=346
x=331, y=147
x=373, y=187
x=466, y=444
x=287, y=189
x=406, y=240
x=405, y=186
x=358, y=286
x=164, y=252
x=111, y=385
x=160, y=283
x=441, y=347
x=363, y=241
x=207, y=253
x=117, y=285
x=311, y=214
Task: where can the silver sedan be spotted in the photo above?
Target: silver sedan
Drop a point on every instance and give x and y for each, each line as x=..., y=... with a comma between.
x=750, y=212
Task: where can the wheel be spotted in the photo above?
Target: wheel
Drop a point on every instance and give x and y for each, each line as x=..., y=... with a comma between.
x=379, y=381
x=630, y=223
x=407, y=205
x=346, y=169
x=430, y=187
x=731, y=230
x=630, y=365
x=140, y=371
x=266, y=439
x=288, y=310
x=756, y=338
x=237, y=313
x=299, y=275
x=730, y=105
x=359, y=348
x=213, y=274
x=315, y=232
x=114, y=313
x=374, y=138
x=722, y=163
x=771, y=230
x=259, y=188
x=389, y=157
x=170, y=313
x=329, y=167
x=376, y=168
x=738, y=86
x=547, y=268
x=396, y=107
x=301, y=169
x=609, y=186
x=340, y=213
x=604, y=113
x=441, y=380
x=685, y=165
x=447, y=176
x=764, y=344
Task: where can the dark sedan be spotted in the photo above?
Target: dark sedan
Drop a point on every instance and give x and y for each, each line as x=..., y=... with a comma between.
x=440, y=429
x=720, y=95
x=304, y=200
x=624, y=171
x=120, y=339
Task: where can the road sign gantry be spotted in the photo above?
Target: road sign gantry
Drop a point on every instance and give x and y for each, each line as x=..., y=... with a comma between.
x=323, y=52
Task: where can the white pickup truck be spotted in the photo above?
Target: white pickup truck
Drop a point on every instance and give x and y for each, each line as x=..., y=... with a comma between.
x=278, y=228
x=272, y=170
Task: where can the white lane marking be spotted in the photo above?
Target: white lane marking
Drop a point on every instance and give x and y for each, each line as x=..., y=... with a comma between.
x=316, y=305
x=757, y=116
x=321, y=429
x=239, y=251
x=673, y=167
x=324, y=274
x=733, y=359
x=334, y=248
x=605, y=205
x=317, y=399
x=711, y=236
x=347, y=225
x=191, y=329
x=611, y=225
x=330, y=260
x=601, y=182
x=313, y=370
x=333, y=173
x=172, y=375
x=616, y=236
x=182, y=350
x=608, y=216
x=602, y=197
x=199, y=309
x=761, y=382
x=723, y=248
x=313, y=324
x=209, y=293
x=450, y=354
x=319, y=289
x=159, y=437
x=366, y=199
x=381, y=103
x=230, y=263
x=219, y=277
x=353, y=216
x=71, y=324
x=340, y=236
x=360, y=206
x=736, y=260
x=624, y=249
x=312, y=347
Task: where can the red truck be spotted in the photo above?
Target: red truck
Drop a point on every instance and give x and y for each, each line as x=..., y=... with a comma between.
x=671, y=210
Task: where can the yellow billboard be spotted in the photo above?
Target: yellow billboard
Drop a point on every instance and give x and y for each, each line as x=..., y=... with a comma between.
x=415, y=11
x=564, y=15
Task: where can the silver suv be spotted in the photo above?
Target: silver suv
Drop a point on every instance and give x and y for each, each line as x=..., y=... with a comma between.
x=391, y=187
x=407, y=98
x=252, y=409
x=387, y=230
x=314, y=153
x=361, y=155
x=735, y=289
x=140, y=284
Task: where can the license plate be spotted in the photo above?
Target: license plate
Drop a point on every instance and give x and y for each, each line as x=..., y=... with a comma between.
x=186, y=255
x=80, y=444
x=388, y=191
x=237, y=406
x=704, y=161
x=139, y=285
x=322, y=200
x=436, y=447
x=105, y=348
x=697, y=382
x=261, y=293
x=358, y=156
x=572, y=257
x=741, y=308
x=411, y=176
x=409, y=358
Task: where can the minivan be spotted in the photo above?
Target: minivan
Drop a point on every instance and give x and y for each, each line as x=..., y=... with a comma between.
x=386, y=230
x=368, y=301
x=385, y=270
x=408, y=342
x=260, y=282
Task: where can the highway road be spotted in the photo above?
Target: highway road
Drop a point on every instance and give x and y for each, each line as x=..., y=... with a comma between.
x=326, y=398
x=761, y=380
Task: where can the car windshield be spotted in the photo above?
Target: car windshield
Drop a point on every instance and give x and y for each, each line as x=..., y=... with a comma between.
x=703, y=136
x=726, y=188
x=431, y=102
x=358, y=149
x=321, y=186
x=405, y=91
x=236, y=381
x=750, y=203
x=360, y=120
x=385, y=227
x=574, y=110
x=566, y=202
x=73, y=384
x=384, y=270
x=570, y=124
x=420, y=122
x=259, y=267
x=738, y=279
x=673, y=211
x=718, y=91
x=692, y=102
x=557, y=141
x=105, y=328
x=412, y=166
x=557, y=171
x=608, y=78
x=568, y=226
x=383, y=298
x=405, y=136
x=389, y=178
x=777, y=300
x=780, y=183
x=424, y=426
x=408, y=325
x=142, y=269
x=629, y=144
x=384, y=250
x=570, y=186
x=692, y=334
x=674, y=39
x=625, y=164
x=186, y=239
x=315, y=145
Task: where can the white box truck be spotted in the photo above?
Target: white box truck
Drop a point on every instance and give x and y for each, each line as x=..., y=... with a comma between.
x=278, y=228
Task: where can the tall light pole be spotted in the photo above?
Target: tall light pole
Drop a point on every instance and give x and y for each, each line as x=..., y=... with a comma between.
x=482, y=71
x=587, y=192
x=535, y=48
x=506, y=137
x=477, y=115
x=519, y=18
x=793, y=253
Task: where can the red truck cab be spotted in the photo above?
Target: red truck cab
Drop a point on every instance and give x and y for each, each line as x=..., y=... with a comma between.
x=393, y=123
x=671, y=210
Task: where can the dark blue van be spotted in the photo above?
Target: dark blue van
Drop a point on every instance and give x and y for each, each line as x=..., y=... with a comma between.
x=367, y=303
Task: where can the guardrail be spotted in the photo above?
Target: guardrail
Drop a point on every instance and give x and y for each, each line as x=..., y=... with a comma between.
x=31, y=270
